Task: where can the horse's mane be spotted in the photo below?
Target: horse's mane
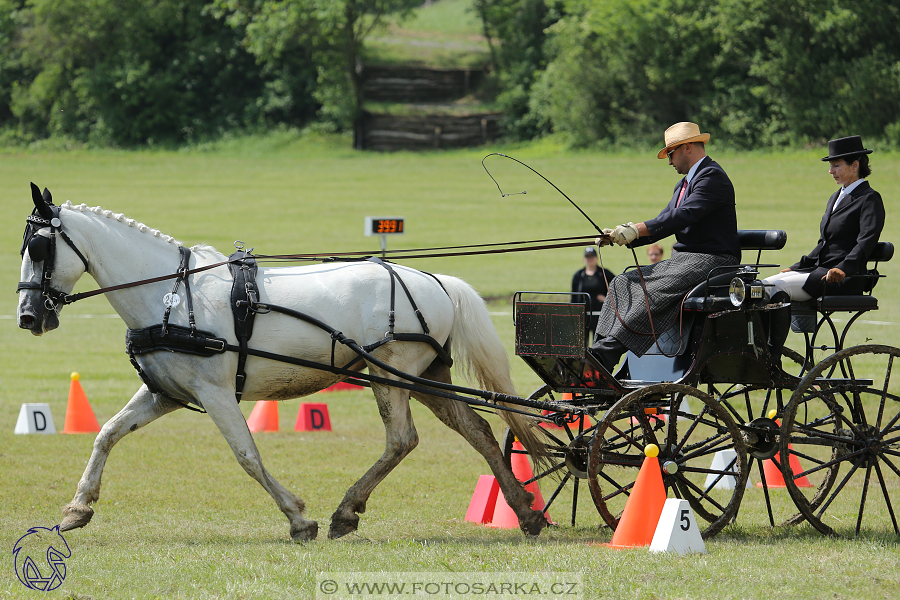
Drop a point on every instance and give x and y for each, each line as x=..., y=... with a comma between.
x=97, y=210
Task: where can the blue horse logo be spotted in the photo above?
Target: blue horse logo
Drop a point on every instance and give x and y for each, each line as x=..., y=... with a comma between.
x=50, y=549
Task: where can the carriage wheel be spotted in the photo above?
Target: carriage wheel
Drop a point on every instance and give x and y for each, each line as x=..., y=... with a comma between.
x=569, y=446
x=753, y=405
x=844, y=435
x=687, y=445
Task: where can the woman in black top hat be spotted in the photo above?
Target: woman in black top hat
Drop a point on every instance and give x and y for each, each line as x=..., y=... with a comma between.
x=848, y=233
x=590, y=280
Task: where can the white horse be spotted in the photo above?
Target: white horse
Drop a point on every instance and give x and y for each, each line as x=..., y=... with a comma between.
x=352, y=297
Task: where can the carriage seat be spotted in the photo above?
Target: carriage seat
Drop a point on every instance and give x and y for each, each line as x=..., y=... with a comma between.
x=716, y=298
x=803, y=314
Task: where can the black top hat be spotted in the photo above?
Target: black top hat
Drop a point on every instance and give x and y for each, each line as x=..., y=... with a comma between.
x=590, y=251
x=844, y=147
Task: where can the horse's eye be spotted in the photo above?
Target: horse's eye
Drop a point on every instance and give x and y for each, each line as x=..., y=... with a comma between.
x=39, y=248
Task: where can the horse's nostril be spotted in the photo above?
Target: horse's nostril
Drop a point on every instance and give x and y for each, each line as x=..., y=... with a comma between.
x=26, y=320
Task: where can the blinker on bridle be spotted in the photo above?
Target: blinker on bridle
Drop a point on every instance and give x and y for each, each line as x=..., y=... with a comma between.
x=42, y=249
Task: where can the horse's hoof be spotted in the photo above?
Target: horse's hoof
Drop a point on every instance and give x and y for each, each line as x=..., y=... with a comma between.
x=342, y=526
x=534, y=523
x=305, y=532
x=76, y=515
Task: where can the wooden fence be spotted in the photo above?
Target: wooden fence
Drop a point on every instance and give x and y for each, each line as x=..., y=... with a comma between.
x=428, y=132
x=418, y=84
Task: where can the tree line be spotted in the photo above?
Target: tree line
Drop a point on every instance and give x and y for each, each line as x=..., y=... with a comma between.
x=135, y=72
x=595, y=72
x=756, y=72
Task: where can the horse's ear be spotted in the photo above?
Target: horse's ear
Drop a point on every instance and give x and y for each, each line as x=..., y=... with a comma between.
x=47, y=197
x=43, y=207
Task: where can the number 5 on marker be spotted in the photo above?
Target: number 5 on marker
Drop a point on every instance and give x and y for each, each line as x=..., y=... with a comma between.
x=685, y=519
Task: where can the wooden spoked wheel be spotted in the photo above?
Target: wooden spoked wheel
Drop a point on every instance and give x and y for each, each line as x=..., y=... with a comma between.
x=840, y=442
x=569, y=445
x=688, y=442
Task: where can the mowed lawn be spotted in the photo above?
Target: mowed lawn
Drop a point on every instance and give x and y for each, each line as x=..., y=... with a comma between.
x=179, y=518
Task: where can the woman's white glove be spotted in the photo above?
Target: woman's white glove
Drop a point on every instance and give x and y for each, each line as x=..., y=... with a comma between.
x=624, y=234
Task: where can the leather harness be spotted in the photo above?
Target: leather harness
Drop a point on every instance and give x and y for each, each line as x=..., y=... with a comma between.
x=245, y=305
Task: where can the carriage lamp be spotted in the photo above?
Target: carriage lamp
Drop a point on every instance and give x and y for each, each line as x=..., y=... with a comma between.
x=739, y=291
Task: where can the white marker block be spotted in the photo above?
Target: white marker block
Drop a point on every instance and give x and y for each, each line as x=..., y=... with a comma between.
x=677, y=530
x=686, y=409
x=721, y=461
x=35, y=418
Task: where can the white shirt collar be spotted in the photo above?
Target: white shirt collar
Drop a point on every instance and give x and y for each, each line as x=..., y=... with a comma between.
x=852, y=186
x=693, y=170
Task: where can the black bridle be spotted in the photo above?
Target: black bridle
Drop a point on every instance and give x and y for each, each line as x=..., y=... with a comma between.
x=42, y=249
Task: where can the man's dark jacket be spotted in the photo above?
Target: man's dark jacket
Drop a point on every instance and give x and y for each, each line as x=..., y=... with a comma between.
x=706, y=221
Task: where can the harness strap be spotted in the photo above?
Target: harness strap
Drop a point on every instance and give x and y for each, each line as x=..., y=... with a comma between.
x=182, y=269
x=71, y=244
x=244, y=303
x=412, y=302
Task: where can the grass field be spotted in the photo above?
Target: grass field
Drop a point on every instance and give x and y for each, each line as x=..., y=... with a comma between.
x=447, y=33
x=177, y=515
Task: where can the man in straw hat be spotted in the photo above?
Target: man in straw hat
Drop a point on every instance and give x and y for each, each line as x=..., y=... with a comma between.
x=701, y=215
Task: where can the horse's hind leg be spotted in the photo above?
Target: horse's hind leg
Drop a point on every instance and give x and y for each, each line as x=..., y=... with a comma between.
x=142, y=409
x=400, y=439
x=461, y=418
x=227, y=416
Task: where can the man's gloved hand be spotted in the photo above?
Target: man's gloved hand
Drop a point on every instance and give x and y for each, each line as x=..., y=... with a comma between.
x=605, y=239
x=624, y=234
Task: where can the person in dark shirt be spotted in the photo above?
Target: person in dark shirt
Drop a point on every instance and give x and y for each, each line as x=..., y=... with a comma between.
x=701, y=215
x=591, y=281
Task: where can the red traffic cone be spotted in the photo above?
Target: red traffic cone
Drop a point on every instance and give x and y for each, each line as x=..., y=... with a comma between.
x=772, y=468
x=504, y=516
x=264, y=416
x=481, y=508
x=644, y=505
x=80, y=417
x=342, y=386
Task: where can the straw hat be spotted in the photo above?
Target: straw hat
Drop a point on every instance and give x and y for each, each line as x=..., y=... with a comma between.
x=682, y=133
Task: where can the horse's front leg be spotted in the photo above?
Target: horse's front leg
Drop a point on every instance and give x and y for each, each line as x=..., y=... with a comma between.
x=142, y=409
x=401, y=438
x=226, y=414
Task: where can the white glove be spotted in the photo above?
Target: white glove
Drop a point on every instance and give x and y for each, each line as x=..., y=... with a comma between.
x=605, y=240
x=624, y=234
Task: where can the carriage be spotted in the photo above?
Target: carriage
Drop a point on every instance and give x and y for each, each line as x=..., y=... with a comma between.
x=708, y=395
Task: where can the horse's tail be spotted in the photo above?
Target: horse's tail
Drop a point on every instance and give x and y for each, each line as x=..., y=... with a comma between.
x=480, y=355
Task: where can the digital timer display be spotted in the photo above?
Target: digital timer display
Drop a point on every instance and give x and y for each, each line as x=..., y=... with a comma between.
x=384, y=225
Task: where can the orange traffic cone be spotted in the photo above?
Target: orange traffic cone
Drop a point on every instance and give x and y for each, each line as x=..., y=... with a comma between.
x=504, y=516
x=772, y=468
x=644, y=505
x=80, y=417
x=264, y=416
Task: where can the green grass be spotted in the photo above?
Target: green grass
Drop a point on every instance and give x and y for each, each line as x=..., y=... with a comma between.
x=177, y=515
x=446, y=33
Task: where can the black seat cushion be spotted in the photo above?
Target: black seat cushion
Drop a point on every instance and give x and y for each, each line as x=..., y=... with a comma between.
x=852, y=303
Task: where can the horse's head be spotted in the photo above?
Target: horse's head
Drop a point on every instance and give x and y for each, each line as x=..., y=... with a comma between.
x=49, y=269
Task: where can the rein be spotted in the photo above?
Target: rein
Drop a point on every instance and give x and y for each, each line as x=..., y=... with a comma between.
x=333, y=257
